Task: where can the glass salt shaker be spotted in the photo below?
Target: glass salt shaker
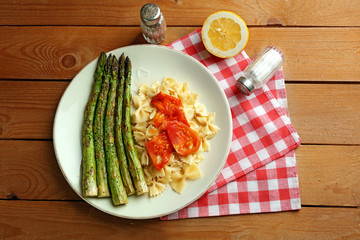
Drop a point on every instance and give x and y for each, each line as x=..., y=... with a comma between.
x=152, y=23
x=260, y=70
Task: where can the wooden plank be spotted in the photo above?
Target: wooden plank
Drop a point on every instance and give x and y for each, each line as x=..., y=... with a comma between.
x=286, y=13
x=332, y=54
x=27, y=110
x=78, y=220
x=30, y=171
x=56, y=52
x=327, y=175
x=312, y=54
x=326, y=113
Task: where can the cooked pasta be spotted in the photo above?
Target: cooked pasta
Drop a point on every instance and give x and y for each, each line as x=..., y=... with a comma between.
x=179, y=169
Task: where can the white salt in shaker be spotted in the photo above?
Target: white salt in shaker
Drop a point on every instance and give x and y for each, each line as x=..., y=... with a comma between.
x=260, y=70
x=152, y=23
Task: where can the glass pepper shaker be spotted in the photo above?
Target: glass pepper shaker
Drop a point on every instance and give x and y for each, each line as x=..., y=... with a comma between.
x=152, y=23
x=260, y=70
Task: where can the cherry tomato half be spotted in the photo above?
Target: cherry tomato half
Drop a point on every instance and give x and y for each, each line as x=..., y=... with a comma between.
x=184, y=139
x=159, y=149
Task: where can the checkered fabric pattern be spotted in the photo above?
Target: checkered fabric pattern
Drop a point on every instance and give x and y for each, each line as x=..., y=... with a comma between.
x=260, y=172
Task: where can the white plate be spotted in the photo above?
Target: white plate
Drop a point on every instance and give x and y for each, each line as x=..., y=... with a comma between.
x=150, y=63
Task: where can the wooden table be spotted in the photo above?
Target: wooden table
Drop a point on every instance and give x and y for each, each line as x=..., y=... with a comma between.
x=44, y=44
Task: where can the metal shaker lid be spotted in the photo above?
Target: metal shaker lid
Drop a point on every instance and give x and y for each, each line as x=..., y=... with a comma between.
x=245, y=85
x=150, y=14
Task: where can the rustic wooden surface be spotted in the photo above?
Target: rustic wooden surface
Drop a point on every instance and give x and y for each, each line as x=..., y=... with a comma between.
x=43, y=44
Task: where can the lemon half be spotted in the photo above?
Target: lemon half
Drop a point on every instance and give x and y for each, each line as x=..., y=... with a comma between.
x=224, y=34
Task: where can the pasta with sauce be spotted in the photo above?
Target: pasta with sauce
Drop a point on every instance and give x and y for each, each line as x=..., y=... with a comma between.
x=179, y=169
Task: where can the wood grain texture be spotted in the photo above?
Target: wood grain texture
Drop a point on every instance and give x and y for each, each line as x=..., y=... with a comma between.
x=325, y=113
x=44, y=44
x=61, y=52
x=29, y=171
x=328, y=175
x=106, y=12
x=77, y=220
x=312, y=54
x=56, y=52
x=27, y=110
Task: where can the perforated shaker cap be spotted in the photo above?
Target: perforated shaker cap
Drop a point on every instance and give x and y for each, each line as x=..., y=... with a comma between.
x=245, y=85
x=150, y=14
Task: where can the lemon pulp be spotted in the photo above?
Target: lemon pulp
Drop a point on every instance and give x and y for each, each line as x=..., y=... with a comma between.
x=224, y=34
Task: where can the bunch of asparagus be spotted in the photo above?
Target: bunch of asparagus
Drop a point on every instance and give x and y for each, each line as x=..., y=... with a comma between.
x=110, y=164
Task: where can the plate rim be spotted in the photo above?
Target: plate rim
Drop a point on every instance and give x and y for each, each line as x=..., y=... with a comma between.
x=200, y=194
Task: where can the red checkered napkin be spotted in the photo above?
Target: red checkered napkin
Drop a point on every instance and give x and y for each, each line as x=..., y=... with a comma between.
x=260, y=172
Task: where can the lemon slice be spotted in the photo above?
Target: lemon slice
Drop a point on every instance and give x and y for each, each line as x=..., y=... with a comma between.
x=224, y=34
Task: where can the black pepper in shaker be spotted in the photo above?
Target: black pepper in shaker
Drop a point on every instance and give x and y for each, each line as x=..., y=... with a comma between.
x=152, y=23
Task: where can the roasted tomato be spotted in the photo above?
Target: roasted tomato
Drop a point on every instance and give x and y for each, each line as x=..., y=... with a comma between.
x=184, y=139
x=160, y=120
x=159, y=149
x=165, y=103
x=169, y=108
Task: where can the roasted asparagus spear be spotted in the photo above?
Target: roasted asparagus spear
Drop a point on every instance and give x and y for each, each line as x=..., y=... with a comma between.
x=118, y=192
x=134, y=162
x=102, y=182
x=89, y=183
x=120, y=149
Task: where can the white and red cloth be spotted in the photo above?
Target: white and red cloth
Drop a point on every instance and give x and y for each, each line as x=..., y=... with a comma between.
x=260, y=172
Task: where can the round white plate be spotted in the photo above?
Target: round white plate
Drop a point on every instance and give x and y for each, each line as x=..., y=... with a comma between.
x=149, y=64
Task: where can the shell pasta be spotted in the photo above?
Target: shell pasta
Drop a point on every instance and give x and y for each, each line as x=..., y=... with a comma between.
x=179, y=169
